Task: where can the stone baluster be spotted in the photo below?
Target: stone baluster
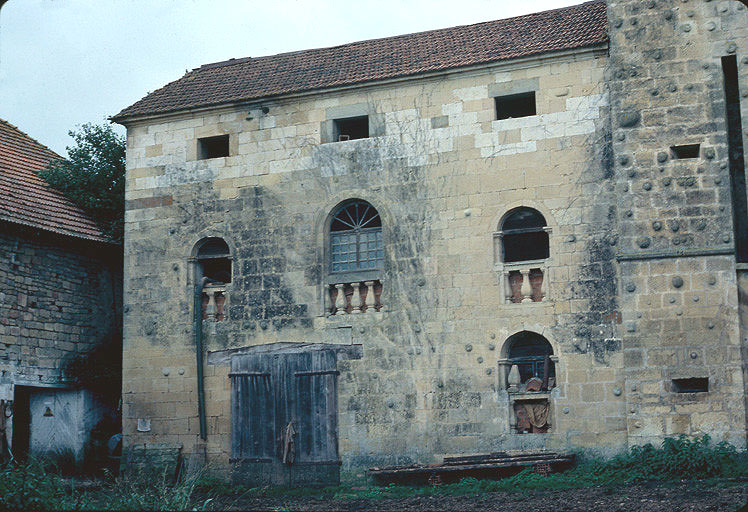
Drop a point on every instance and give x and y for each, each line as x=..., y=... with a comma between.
x=513, y=380
x=543, y=284
x=340, y=300
x=220, y=299
x=329, y=301
x=526, y=289
x=508, y=287
x=210, y=308
x=382, y=299
x=356, y=302
x=370, y=298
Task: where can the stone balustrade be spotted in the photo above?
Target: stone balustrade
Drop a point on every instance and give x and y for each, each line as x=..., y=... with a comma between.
x=355, y=298
x=525, y=282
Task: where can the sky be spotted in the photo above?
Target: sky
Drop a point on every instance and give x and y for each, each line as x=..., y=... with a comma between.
x=64, y=63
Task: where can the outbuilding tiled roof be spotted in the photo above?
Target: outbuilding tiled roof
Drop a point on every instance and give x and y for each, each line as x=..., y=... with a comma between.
x=378, y=59
x=28, y=200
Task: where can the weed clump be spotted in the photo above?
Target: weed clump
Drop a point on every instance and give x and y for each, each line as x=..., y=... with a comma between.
x=679, y=458
x=39, y=485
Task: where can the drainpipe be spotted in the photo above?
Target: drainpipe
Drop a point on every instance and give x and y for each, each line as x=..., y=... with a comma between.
x=198, y=332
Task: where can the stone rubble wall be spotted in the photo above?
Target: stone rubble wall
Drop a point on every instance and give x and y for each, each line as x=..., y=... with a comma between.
x=59, y=298
x=56, y=300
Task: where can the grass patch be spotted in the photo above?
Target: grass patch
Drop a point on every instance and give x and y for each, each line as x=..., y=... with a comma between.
x=36, y=486
x=678, y=459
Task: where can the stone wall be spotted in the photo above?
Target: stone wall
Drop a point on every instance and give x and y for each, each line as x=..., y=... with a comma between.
x=442, y=175
x=678, y=274
x=640, y=276
x=59, y=297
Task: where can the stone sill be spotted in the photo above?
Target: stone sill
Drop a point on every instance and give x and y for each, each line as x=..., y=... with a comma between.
x=514, y=306
x=349, y=320
x=530, y=395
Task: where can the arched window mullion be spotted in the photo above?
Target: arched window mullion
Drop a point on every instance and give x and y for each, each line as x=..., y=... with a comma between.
x=358, y=247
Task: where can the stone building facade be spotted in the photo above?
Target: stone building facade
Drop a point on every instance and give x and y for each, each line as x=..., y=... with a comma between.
x=60, y=297
x=414, y=248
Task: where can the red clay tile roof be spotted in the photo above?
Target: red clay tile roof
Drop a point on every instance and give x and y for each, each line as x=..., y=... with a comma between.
x=377, y=59
x=27, y=199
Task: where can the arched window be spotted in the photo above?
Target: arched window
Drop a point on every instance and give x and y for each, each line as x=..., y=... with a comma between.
x=524, y=236
x=532, y=353
x=356, y=238
x=530, y=373
x=214, y=260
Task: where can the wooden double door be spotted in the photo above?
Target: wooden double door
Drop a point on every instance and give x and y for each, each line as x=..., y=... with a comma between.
x=284, y=415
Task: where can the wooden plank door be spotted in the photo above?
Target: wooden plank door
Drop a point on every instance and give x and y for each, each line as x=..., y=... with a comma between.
x=269, y=391
x=317, y=408
x=253, y=418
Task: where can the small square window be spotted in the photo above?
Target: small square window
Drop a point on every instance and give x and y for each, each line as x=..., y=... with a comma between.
x=515, y=105
x=352, y=128
x=691, y=385
x=685, y=151
x=212, y=147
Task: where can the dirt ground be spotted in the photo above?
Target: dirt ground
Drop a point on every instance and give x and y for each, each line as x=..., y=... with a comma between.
x=679, y=497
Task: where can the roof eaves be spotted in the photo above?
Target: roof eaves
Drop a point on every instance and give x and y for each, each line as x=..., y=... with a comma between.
x=72, y=234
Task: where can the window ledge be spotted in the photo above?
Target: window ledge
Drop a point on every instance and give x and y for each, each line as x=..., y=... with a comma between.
x=532, y=304
x=529, y=395
x=353, y=276
x=349, y=320
x=516, y=265
x=349, y=142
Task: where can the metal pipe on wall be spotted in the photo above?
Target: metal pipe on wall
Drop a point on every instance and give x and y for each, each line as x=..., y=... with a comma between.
x=198, y=332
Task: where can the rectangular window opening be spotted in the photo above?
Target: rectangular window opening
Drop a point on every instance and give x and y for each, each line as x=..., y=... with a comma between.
x=691, y=385
x=352, y=128
x=685, y=151
x=212, y=147
x=515, y=105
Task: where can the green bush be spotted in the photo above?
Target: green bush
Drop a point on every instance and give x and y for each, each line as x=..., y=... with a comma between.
x=679, y=458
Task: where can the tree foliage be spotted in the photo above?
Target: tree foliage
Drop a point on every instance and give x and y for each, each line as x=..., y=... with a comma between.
x=93, y=176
